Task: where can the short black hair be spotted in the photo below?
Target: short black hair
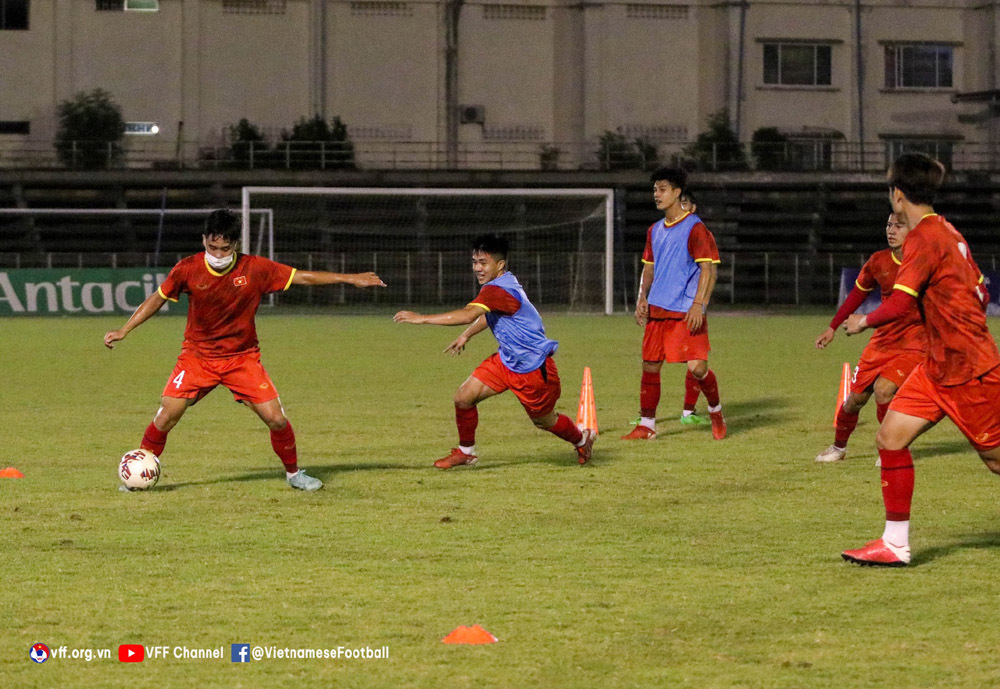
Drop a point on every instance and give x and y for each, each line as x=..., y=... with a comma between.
x=223, y=223
x=689, y=195
x=677, y=177
x=918, y=176
x=492, y=244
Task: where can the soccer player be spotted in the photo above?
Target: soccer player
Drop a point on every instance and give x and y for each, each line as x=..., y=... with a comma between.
x=960, y=376
x=220, y=346
x=894, y=350
x=523, y=363
x=677, y=281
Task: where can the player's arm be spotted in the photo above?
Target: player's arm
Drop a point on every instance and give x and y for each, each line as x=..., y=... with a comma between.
x=706, y=283
x=462, y=316
x=641, y=301
x=146, y=309
x=322, y=277
x=895, y=307
x=855, y=299
x=478, y=326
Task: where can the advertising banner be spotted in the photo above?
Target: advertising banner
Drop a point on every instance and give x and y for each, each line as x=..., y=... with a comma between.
x=80, y=291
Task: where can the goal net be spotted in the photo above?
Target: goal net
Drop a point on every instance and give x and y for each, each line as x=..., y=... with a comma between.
x=418, y=241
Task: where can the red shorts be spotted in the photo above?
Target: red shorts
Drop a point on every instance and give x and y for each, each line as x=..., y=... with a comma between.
x=670, y=340
x=974, y=406
x=537, y=391
x=895, y=365
x=243, y=374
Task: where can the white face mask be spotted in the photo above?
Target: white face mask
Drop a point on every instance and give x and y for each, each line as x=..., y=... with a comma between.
x=219, y=263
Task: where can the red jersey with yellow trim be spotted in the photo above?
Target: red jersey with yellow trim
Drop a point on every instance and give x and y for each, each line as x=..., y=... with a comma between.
x=939, y=271
x=906, y=333
x=222, y=304
x=701, y=247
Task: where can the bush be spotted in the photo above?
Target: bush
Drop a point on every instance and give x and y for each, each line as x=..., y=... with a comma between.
x=769, y=148
x=90, y=131
x=616, y=152
x=313, y=144
x=718, y=148
x=248, y=146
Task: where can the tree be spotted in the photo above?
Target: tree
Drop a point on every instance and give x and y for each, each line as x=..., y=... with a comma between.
x=90, y=131
x=718, y=148
x=313, y=144
x=616, y=152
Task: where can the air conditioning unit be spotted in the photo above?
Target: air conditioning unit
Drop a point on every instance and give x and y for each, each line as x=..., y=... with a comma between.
x=472, y=114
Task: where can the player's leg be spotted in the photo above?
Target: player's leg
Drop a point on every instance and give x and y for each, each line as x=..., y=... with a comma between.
x=698, y=368
x=885, y=390
x=649, y=399
x=538, y=393
x=894, y=437
x=485, y=382
x=846, y=422
x=692, y=389
x=170, y=412
x=283, y=442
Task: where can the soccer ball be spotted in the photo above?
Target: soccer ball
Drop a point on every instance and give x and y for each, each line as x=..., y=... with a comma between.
x=139, y=470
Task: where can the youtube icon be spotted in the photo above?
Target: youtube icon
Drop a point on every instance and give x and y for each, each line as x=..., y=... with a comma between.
x=131, y=653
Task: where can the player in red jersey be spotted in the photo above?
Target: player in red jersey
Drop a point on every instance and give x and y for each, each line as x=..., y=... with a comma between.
x=677, y=281
x=894, y=350
x=960, y=376
x=220, y=347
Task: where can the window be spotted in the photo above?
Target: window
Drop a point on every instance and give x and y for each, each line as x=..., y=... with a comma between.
x=128, y=5
x=15, y=127
x=656, y=11
x=529, y=12
x=797, y=64
x=941, y=149
x=13, y=15
x=918, y=66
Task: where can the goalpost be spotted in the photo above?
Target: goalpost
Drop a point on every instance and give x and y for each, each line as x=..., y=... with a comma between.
x=417, y=240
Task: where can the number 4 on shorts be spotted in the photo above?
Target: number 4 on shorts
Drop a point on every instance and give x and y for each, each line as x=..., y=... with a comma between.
x=178, y=380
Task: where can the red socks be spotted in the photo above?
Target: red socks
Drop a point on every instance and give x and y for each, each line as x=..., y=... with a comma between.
x=710, y=386
x=846, y=423
x=897, y=483
x=880, y=410
x=283, y=442
x=566, y=429
x=692, y=388
x=649, y=394
x=154, y=439
x=467, y=420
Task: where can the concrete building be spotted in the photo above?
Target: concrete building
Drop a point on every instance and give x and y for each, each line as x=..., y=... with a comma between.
x=489, y=84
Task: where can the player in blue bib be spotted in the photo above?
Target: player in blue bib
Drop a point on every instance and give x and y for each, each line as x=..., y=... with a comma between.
x=522, y=364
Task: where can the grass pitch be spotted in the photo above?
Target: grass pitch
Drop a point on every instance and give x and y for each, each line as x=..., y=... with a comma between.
x=683, y=562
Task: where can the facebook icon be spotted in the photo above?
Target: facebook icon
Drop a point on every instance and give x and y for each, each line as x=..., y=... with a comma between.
x=240, y=653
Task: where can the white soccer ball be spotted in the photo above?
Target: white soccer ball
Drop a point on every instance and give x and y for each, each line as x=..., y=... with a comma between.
x=139, y=469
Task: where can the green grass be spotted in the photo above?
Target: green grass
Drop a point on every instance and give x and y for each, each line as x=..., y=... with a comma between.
x=684, y=562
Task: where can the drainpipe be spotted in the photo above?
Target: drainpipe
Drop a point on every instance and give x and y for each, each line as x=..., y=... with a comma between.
x=452, y=10
x=739, y=69
x=861, y=81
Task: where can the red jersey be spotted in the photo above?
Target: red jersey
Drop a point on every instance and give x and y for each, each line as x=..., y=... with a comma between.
x=222, y=305
x=939, y=271
x=904, y=333
x=701, y=247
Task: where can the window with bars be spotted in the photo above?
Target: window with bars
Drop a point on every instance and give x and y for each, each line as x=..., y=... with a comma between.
x=674, y=12
x=940, y=149
x=797, y=64
x=15, y=127
x=918, y=66
x=253, y=6
x=528, y=12
x=13, y=15
x=128, y=5
x=381, y=9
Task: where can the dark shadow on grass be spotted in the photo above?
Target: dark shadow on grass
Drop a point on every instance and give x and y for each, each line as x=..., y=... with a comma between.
x=322, y=471
x=989, y=540
x=930, y=450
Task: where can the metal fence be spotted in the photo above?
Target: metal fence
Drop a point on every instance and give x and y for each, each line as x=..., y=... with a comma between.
x=819, y=155
x=556, y=280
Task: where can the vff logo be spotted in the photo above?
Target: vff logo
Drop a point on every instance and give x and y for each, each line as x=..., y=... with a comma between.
x=240, y=653
x=39, y=653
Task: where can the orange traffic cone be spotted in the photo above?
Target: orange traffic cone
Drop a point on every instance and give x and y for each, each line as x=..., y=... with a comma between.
x=586, y=415
x=845, y=390
x=469, y=635
x=10, y=472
